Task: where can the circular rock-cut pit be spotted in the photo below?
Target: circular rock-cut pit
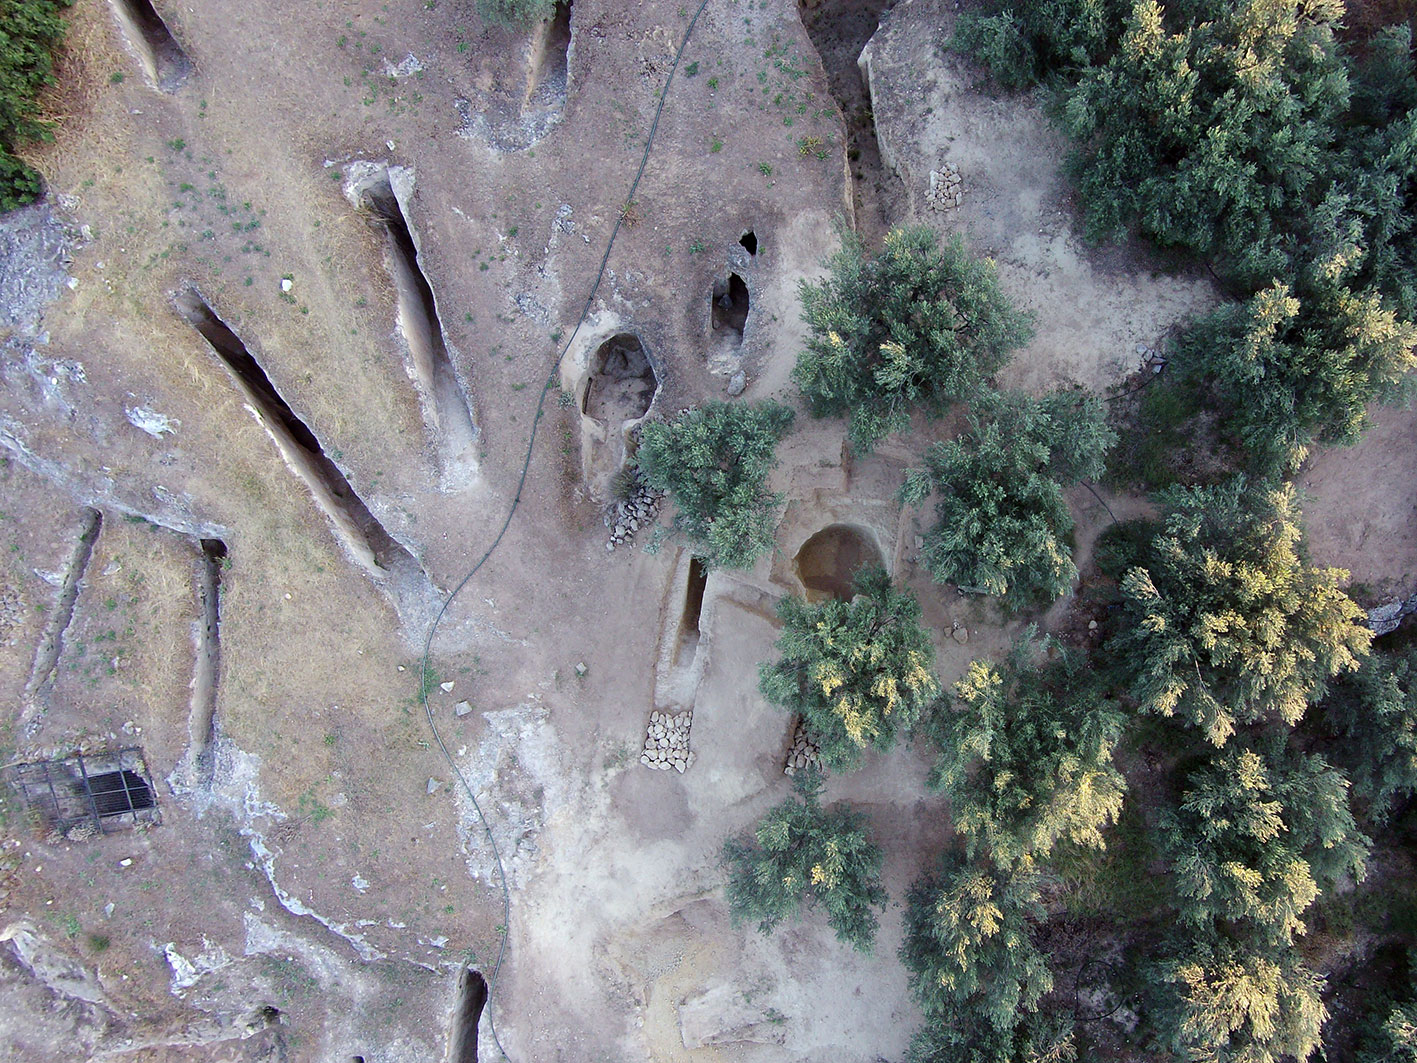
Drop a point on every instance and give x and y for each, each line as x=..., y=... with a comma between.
x=828, y=562
x=622, y=382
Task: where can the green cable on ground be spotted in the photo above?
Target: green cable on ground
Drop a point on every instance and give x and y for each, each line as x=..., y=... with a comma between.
x=424, y=674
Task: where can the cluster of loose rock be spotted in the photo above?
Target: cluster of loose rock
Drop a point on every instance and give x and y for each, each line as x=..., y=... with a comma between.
x=1386, y=618
x=667, y=741
x=630, y=514
x=1151, y=360
x=946, y=191
x=804, y=752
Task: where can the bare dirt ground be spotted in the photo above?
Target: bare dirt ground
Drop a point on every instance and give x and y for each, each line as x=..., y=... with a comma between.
x=319, y=881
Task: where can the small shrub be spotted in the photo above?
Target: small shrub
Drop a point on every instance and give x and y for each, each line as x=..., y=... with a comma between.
x=714, y=461
x=514, y=12
x=804, y=853
x=919, y=325
x=30, y=32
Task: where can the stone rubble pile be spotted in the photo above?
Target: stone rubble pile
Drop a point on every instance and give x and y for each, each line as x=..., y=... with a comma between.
x=804, y=752
x=1386, y=618
x=1152, y=361
x=946, y=191
x=628, y=515
x=667, y=741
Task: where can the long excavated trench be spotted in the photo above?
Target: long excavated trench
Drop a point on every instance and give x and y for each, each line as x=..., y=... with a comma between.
x=201, y=717
x=356, y=528
x=467, y=1012
x=840, y=30
x=445, y=403
x=46, y=657
x=164, y=62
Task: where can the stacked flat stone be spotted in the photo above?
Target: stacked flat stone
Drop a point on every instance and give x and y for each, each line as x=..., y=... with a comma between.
x=946, y=191
x=667, y=741
x=804, y=752
x=627, y=516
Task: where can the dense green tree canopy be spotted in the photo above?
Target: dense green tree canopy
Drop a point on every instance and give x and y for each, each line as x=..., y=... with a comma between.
x=1285, y=371
x=858, y=672
x=30, y=31
x=918, y=325
x=1002, y=523
x=969, y=947
x=1226, y=624
x=1204, y=133
x=1375, y=712
x=1025, y=755
x=1223, y=1001
x=1258, y=835
x=714, y=461
x=1038, y=1038
x=804, y=853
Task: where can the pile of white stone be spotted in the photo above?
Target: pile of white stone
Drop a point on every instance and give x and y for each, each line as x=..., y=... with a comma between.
x=667, y=741
x=946, y=191
x=1152, y=361
x=628, y=515
x=804, y=752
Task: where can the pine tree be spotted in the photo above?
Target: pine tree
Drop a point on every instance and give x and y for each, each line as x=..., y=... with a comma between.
x=1258, y=835
x=1022, y=44
x=30, y=33
x=1226, y=625
x=1375, y=713
x=1025, y=755
x=858, y=672
x=969, y=949
x=1222, y=1000
x=804, y=853
x=920, y=325
x=1002, y=523
x=1038, y=1038
x=515, y=12
x=714, y=461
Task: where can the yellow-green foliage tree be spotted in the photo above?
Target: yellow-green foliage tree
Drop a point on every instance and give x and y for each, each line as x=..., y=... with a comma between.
x=1226, y=624
x=858, y=672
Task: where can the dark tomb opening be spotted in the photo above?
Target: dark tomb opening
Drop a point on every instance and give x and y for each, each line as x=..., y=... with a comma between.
x=622, y=381
x=467, y=1012
x=750, y=242
x=730, y=304
x=828, y=562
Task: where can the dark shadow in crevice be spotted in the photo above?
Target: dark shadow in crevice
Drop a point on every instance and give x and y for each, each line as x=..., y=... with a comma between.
x=551, y=57
x=730, y=304
x=467, y=1013
x=839, y=31
x=46, y=657
x=355, y=526
x=749, y=240
x=164, y=62
x=445, y=401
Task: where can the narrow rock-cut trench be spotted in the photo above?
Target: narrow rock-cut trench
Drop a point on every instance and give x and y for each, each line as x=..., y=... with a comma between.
x=467, y=1012
x=693, y=610
x=164, y=62
x=46, y=657
x=206, y=637
x=445, y=402
x=355, y=526
x=840, y=30
x=549, y=70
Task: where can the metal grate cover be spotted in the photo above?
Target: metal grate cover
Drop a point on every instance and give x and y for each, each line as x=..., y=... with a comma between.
x=102, y=791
